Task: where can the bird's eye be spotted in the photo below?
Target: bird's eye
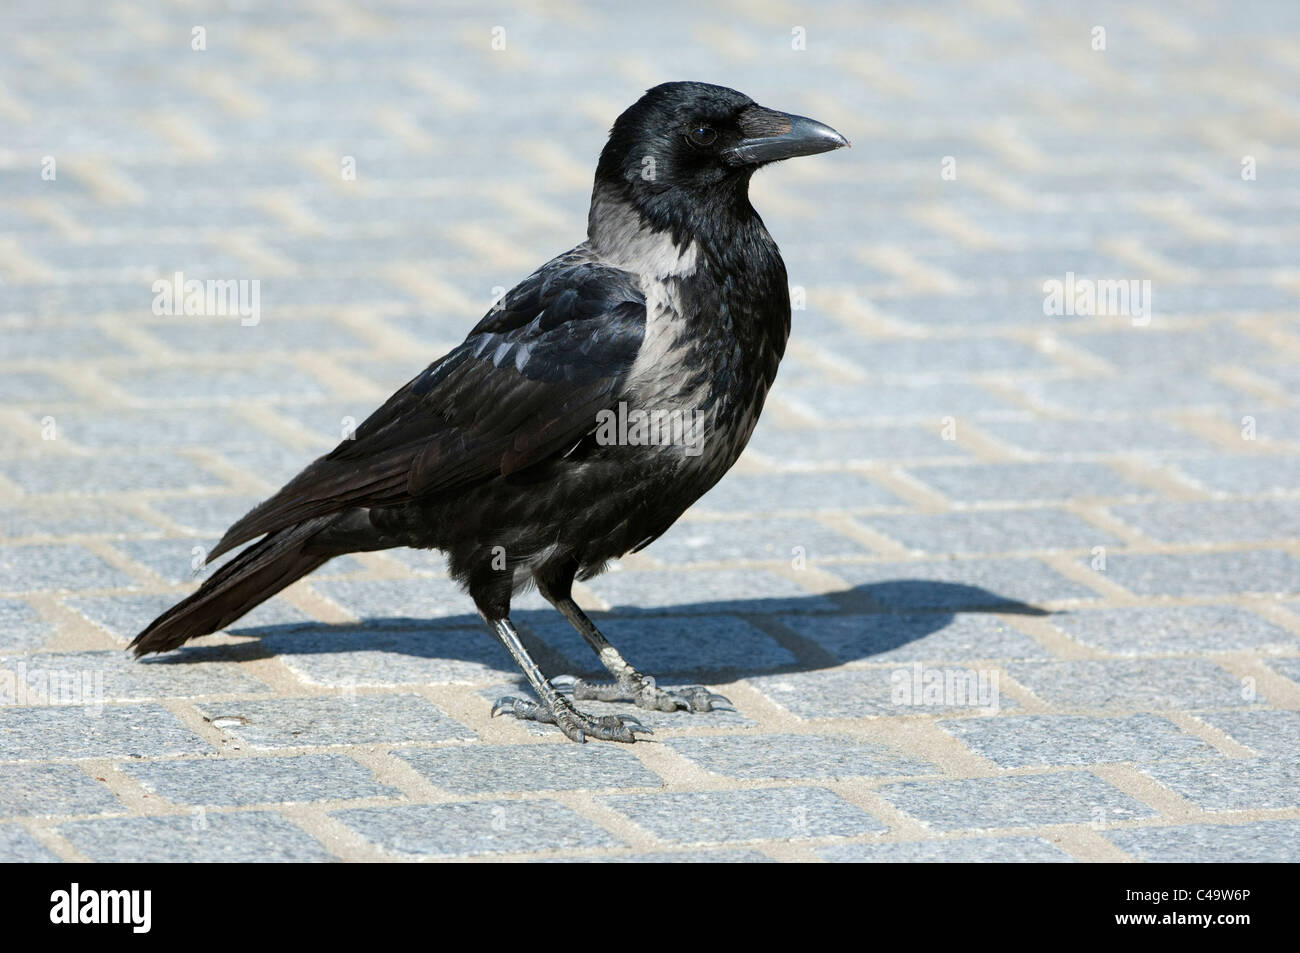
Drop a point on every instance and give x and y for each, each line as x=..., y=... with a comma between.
x=702, y=135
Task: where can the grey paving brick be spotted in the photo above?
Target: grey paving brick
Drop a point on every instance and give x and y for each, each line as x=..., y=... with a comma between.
x=474, y=828
x=1147, y=347
x=1252, y=473
x=1080, y=438
x=1025, y=482
x=671, y=857
x=1174, y=629
x=151, y=470
x=267, y=380
x=796, y=756
x=239, y=782
x=1151, y=684
x=328, y=720
x=905, y=399
x=998, y=531
x=966, y=850
x=1272, y=733
x=125, y=616
x=781, y=540
x=1023, y=741
x=1288, y=668
x=31, y=386
x=666, y=646
x=207, y=515
x=47, y=790
x=1213, y=521
x=535, y=767
x=55, y=566
x=120, y=677
x=1234, y=785
x=960, y=584
x=915, y=637
x=1261, y=842
x=795, y=491
x=1196, y=574
x=200, y=837
x=59, y=517
x=1123, y=394
x=104, y=430
x=375, y=654
x=21, y=627
x=1026, y=801
x=722, y=816
x=17, y=846
x=798, y=449
x=113, y=731
x=706, y=592
x=914, y=689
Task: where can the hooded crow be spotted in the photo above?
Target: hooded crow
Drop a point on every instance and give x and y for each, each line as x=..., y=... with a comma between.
x=581, y=417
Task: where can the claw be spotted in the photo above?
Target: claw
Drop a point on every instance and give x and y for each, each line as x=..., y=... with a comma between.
x=504, y=703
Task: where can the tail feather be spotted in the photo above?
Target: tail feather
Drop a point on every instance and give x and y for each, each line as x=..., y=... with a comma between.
x=248, y=580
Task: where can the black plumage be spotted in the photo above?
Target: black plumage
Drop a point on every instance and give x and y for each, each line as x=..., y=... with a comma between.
x=677, y=303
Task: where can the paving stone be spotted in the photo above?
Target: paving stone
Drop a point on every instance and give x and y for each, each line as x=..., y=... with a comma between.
x=1081, y=438
x=1244, y=474
x=671, y=857
x=56, y=566
x=1287, y=668
x=1025, y=801
x=152, y=470
x=125, y=616
x=998, y=531
x=47, y=790
x=239, y=782
x=1272, y=733
x=781, y=540
x=1025, y=482
x=19, y=847
x=110, y=731
x=1261, y=842
x=1197, y=574
x=348, y=655
x=804, y=449
x=1174, y=629
x=535, y=767
x=117, y=676
x=1234, y=785
x=796, y=756
x=914, y=689
x=1153, y=684
x=1023, y=741
x=200, y=837
x=474, y=828
x=21, y=626
x=705, y=592
x=915, y=637
x=967, y=850
x=1213, y=521
x=330, y=720
x=960, y=584
x=722, y=816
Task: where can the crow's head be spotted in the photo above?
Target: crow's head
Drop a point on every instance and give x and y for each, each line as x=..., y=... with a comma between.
x=696, y=138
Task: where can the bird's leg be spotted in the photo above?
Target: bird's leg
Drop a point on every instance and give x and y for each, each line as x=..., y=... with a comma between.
x=554, y=708
x=629, y=684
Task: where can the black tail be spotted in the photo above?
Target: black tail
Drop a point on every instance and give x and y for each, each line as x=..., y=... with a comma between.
x=248, y=580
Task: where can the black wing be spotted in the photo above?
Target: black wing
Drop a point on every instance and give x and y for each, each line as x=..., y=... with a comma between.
x=527, y=383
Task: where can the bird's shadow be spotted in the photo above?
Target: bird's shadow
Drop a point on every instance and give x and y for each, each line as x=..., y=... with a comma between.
x=718, y=641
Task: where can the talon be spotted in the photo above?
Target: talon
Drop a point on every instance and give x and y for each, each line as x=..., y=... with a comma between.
x=503, y=704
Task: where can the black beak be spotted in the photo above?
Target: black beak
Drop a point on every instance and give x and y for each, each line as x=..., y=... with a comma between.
x=771, y=135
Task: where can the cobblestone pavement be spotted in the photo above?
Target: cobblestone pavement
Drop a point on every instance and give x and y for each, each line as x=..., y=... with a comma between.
x=1088, y=519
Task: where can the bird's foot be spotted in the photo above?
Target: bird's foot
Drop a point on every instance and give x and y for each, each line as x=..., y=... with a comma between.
x=642, y=691
x=577, y=725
